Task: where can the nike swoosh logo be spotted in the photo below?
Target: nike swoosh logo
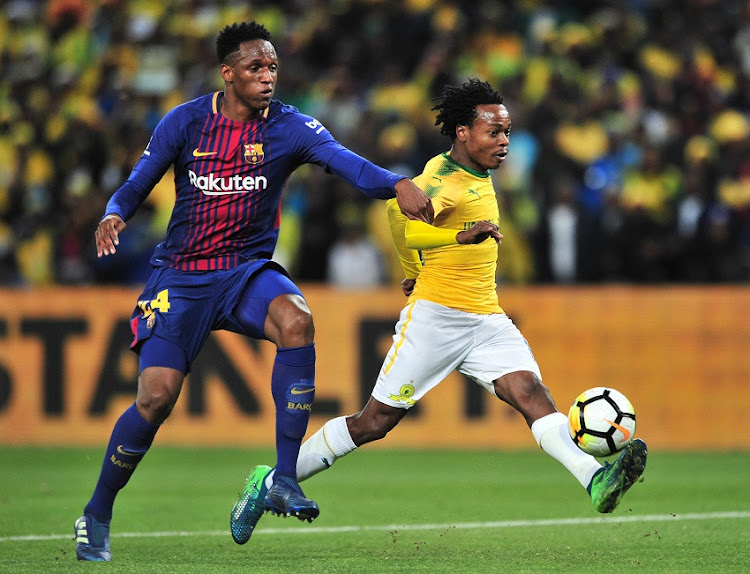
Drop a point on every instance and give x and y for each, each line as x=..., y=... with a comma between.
x=126, y=452
x=297, y=391
x=197, y=153
x=622, y=429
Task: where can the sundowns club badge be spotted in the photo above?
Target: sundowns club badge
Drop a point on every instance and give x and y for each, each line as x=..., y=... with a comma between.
x=254, y=153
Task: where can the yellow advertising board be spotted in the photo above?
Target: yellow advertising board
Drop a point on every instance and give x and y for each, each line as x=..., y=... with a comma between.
x=679, y=353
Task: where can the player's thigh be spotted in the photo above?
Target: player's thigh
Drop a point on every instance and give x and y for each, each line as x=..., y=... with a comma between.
x=500, y=349
x=161, y=353
x=429, y=342
x=251, y=310
x=175, y=311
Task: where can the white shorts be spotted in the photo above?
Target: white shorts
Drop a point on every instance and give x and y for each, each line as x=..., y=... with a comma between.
x=432, y=340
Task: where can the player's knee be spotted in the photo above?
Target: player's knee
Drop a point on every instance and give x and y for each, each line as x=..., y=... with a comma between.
x=297, y=329
x=155, y=401
x=522, y=389
x=531, y=386
x=154, y=408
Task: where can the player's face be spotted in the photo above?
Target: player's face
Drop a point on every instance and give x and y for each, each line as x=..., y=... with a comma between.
x=251, y=73
x=486, y=141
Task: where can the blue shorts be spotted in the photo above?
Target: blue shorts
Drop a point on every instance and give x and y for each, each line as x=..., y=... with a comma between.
x=177, y=310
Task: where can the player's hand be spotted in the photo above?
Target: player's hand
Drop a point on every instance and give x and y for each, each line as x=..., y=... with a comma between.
x=107, y=233
x=414, y=203
x=407, y=286
x=479, y=232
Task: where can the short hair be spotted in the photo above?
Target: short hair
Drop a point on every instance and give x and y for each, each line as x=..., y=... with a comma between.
x=457, y=105
x=229, y=39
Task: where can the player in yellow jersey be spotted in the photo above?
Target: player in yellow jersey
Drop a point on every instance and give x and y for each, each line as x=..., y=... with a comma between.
x=452, y=319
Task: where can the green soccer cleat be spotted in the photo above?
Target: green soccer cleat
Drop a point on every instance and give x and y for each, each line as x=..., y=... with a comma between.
x=250, y=506
x=612, y=481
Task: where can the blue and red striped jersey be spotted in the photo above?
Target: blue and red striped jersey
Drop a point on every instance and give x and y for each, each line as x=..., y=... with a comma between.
x=229, y=180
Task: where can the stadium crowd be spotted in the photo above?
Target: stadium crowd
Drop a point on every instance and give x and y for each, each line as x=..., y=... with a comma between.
x=631, y=138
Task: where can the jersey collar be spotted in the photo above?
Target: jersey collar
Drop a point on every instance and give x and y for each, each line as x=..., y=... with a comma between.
x=466, y=168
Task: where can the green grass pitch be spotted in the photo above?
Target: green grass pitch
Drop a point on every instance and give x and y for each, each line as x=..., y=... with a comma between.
x=382, y=511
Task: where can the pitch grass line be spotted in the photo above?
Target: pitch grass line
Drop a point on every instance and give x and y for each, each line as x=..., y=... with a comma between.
x=402, y=527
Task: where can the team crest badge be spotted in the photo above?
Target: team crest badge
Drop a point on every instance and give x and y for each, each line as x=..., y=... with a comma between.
x=254, y=153
x=405, y=394
x=151, y=321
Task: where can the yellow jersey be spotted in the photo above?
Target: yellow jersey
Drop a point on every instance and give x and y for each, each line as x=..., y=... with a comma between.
x=457, y=276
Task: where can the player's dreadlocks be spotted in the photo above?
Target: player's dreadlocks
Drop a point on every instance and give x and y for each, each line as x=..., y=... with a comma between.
x=230, y=38
x=457, y=105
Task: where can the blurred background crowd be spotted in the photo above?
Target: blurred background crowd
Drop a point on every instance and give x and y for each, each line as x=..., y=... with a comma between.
x=629, y=158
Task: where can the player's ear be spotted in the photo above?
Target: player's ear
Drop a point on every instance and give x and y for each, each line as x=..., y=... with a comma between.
x=227, y=72
x=462, y=132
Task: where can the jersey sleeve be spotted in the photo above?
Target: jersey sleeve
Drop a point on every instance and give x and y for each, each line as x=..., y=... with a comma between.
x=162, y=150
x=410, y=261
x=315, y=144
x=421, y=235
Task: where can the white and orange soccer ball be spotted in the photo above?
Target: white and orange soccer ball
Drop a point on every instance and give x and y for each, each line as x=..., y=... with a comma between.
x=602, y=421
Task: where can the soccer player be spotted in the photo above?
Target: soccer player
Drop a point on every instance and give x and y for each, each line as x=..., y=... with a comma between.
x=452, y=319
x=232, y=152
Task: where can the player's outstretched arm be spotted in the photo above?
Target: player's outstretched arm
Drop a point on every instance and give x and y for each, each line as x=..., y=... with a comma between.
x=414, y=202
x=107, y=234
x=377, y=182
x=420, y=235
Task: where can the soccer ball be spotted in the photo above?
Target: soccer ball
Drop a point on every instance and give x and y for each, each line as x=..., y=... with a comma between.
x=602, y=421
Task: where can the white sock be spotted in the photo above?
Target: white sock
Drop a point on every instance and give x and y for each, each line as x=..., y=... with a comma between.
x=269, y=479
x=321, y=450
x=552, y=435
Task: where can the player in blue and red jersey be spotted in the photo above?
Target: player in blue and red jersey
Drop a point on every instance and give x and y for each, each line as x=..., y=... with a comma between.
x=232, y=152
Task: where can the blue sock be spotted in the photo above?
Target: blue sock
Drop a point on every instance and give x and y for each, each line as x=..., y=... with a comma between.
x=293, y=390
x=131, y=438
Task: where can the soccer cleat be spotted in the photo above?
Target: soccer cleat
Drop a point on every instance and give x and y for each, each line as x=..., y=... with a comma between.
x=250, y=506
x=612, y=481
x=92, y=539
x=286, y=498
